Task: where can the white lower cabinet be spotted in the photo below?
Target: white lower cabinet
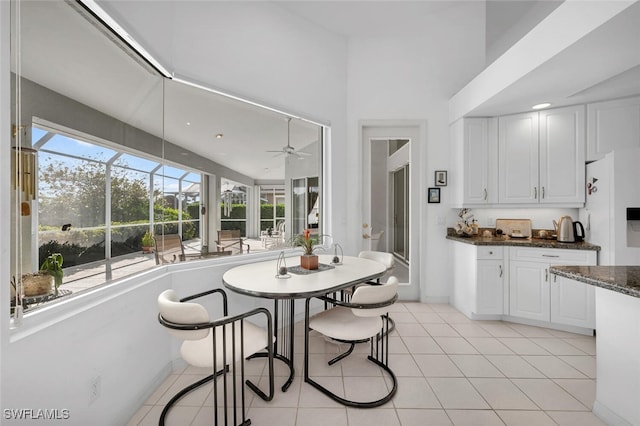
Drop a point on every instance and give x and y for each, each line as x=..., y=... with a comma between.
x=490, y=285
x=573, y=303
x=514, y=283
x=529, y=290
x=536, y=294
x=478, y=278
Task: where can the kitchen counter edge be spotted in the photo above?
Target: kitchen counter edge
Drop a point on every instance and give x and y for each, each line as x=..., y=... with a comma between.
x=527, y=242
x=621, y=279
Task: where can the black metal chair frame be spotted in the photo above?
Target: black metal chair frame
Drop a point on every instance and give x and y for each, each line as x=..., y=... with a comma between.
x=378, y=354
x=213, y=326
x=346, y=296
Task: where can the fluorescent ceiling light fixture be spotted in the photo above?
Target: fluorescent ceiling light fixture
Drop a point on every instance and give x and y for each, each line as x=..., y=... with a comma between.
x=178, y=79
x=123, y=34
x=541, y=106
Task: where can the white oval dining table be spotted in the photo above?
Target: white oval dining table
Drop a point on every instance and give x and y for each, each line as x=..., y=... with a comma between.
x=260, y=279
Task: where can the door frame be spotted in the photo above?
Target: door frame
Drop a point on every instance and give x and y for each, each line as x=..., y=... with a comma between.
x=416, y=132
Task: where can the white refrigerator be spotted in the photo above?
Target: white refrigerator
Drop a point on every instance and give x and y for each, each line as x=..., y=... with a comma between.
x=612, y=187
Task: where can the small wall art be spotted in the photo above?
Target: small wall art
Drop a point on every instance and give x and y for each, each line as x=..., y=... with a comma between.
x=441, y=178
x=434, y=195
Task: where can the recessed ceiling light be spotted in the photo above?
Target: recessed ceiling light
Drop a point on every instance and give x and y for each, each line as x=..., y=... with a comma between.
x=188, y=123
x=541, y=106
x=219, y=136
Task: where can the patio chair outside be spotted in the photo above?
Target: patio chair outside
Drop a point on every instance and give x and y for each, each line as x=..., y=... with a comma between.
x=231, y=240
x=169, y=249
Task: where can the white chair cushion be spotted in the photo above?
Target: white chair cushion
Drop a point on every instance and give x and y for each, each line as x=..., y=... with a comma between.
x=340, y=323
x=370, y=294
x=199, y=353
x=379, y=256
x=178, y=312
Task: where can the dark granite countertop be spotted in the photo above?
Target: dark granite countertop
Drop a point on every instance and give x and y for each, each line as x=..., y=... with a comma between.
x=524, y=242
x=623, y=279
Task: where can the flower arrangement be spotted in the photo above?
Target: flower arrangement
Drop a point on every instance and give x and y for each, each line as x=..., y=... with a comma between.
x=306, y=242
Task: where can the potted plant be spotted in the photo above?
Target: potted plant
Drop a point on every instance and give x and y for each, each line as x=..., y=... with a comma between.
x=33, y=284
x=308, y=260
x=148, y=242
x=52, y=265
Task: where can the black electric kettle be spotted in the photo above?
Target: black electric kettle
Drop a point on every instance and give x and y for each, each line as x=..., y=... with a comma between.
x=568, y=230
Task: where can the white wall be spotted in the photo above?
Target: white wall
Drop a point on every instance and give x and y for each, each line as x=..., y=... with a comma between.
x=51, y=360
x=411, y=74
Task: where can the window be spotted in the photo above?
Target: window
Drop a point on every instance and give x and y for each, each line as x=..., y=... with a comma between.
x=305, y=200
x=272, y=207
x=233, y=207
x=95, y=203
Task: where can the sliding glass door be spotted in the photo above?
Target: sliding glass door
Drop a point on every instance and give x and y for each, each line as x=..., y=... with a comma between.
x=400, y=208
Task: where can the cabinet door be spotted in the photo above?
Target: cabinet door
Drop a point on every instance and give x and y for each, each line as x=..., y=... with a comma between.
x=529, y=290
x=518, y=155
x=572, y=303
x=562, y=153
x=490, y=287
x=612, y=125
x=479, y=168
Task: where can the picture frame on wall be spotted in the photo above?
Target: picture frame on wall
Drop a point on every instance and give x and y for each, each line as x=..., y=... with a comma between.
x=441, y=178
x=434, y=195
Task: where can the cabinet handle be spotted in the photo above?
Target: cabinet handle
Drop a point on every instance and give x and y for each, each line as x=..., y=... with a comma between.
x=543, y=192
x=485, y=194
x=546, y=274
x=550, y=255
x=500, y=266
x=535, y=193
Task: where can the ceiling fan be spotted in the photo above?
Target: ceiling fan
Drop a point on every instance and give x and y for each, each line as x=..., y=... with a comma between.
x=288, y=150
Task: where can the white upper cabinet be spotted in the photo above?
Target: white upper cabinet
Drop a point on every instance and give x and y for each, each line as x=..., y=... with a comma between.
x=542, y=157
x=562, y=155
x=518, y=154
x=612, y=125
x=474, y=152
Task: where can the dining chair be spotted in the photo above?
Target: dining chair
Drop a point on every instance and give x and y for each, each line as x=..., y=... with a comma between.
x=385, y=258
x=364, y=318
x=221, y=345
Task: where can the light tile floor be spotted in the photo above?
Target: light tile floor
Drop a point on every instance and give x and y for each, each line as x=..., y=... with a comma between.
x=451, y=371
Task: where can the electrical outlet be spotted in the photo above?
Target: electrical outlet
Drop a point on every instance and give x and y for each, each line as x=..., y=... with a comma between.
x=94, y=388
